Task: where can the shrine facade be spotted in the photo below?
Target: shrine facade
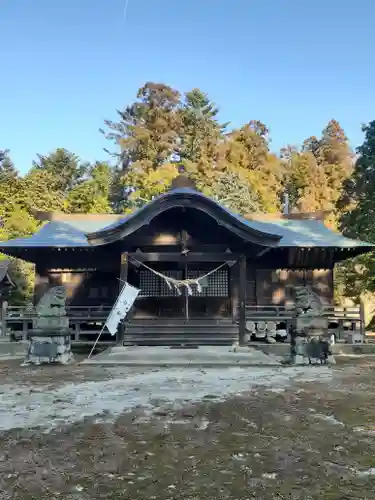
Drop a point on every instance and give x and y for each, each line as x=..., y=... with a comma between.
x=245, y=265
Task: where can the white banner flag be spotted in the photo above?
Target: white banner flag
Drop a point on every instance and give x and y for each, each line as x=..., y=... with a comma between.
x=122, y=306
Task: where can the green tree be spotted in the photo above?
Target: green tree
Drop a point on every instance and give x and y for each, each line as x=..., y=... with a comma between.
x=23, y=277
x=117, y=190
x=16, y=221
x=358, y=219
x=313, y=145
x=358, y=189
x=234, y=191
x=7, y=169
x=11, y=188
x=145, y=185
x=201, y=130
x=315, y=176
x=17, y=224
x=249, y=146
x=152, y=131
x=333, y=154
x=42, y=191
x=92, y=195
x=356, y=277
x=247, y=149
x=147, y=132
x=305, y=182
x=338, y=159
x=64, y=166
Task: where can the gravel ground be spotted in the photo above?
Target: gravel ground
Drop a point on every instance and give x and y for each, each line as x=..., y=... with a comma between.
x=84, y=432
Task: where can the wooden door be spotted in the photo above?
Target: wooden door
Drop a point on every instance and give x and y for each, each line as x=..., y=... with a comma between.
x=214, y=298
x=156, y=298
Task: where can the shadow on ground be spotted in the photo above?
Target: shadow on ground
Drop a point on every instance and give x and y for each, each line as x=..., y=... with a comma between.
x=308, y=440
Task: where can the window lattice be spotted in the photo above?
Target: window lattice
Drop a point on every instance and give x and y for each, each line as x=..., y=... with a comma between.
x=152, y=285
x=215, y=285
x=149, y=284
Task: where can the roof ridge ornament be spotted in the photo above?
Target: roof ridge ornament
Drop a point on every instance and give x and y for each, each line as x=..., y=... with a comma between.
x=182, y=180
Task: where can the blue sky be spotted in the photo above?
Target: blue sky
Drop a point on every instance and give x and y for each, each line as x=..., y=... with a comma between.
x=294, y=64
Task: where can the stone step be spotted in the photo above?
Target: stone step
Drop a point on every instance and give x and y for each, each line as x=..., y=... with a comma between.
x=172, y=331
x=161, y=330
x=205, y=356
x=174, y=341
x=9, y=349
x=171, y=322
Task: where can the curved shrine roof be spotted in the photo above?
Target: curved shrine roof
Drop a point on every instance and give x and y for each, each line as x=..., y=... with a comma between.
x=274, y=232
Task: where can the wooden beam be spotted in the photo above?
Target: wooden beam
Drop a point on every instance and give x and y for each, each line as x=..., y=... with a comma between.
x=189, y=257
x=123, y=277
x=242, y=290
x=263, y=251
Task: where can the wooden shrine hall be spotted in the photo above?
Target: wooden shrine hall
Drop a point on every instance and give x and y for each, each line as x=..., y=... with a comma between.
x=248, y=268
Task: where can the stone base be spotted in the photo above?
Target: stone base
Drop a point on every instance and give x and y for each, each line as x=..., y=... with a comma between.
x=299, y=359
x=49, y=349
x=204, y=356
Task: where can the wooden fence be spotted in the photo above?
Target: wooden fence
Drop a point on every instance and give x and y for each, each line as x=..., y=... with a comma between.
x=87, y=321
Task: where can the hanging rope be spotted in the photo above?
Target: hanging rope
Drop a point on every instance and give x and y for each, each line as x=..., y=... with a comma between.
x=175, y=284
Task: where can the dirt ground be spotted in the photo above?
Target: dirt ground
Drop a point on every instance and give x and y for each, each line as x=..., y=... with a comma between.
x=83, y=432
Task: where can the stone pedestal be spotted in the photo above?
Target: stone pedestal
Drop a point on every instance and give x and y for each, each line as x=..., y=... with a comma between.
x=49, y=347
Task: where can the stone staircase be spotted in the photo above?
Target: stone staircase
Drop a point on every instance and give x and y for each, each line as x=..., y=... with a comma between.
x=177, y=332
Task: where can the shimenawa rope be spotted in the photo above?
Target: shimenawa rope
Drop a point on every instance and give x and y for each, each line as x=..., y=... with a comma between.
x=172, y=284
x=178, y=284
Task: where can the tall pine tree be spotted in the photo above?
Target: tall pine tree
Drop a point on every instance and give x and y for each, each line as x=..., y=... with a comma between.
x=147, y=132
x=357, y=276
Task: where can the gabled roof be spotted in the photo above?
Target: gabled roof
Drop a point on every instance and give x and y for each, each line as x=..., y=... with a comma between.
x=184, y=198
x=87, y=232
x=307, y=233
x=52, y=235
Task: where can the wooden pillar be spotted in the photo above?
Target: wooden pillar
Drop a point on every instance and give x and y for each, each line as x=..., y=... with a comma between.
x=3, y=317
x=235, y=291
x=362, y=320
x=123, y=278
x=242, y=290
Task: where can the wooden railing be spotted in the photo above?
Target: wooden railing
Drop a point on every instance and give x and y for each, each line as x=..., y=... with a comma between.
x=332, y=312
x=340, y=319
x=16, y=313
x=92, y=313
x=86, y=321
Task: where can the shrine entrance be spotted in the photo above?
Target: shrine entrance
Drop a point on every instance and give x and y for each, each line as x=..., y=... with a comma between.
x=157, y=299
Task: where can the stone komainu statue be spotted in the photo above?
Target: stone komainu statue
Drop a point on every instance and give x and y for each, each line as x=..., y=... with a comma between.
x=50, y=311
x=311, y=323
x=52, y=303
x=307, y=301
x=309, y=312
